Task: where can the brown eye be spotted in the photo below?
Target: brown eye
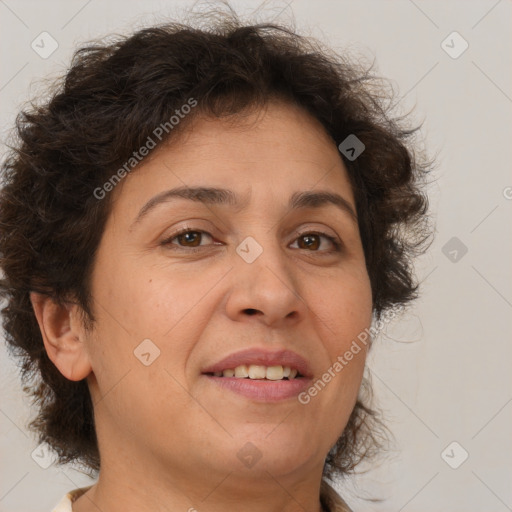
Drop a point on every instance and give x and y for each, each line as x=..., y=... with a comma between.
x=313, y=241
x=310, y=241
x=186, y=238
x=189, y=239
x=192, y=238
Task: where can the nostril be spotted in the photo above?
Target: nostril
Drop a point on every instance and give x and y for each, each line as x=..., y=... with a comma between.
x=251, y=311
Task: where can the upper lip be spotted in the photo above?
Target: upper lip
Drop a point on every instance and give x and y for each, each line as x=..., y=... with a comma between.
x=262, y=357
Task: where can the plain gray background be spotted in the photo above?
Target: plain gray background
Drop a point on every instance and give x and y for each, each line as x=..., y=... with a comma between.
x=441, y=373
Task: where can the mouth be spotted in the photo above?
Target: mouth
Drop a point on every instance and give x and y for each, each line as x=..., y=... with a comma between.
x=261, y=375
x=256, y=363
x=259, y=372
x=261, y=390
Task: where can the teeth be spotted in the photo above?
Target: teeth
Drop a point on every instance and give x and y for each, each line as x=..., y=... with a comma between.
x=242, y=371
x=275, y=373
x=255, y=371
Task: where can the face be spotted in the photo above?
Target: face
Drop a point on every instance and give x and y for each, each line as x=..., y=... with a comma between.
x=257, y=271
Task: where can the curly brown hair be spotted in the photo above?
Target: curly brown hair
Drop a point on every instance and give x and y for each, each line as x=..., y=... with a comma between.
x=106, y=106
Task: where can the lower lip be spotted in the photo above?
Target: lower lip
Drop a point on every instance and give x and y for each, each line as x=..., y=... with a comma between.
x=263, y=390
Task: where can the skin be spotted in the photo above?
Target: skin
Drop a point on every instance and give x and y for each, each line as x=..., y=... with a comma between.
x=168, y=437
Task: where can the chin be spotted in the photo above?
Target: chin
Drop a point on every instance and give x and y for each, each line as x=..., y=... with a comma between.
x=274, y=449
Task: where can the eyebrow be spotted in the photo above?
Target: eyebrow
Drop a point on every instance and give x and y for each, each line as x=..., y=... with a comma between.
x=226, y=197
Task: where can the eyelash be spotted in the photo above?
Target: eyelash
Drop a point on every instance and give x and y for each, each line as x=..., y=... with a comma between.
x=167, y=241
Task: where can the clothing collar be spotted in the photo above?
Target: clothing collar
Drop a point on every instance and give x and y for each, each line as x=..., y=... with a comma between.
x=331, y=501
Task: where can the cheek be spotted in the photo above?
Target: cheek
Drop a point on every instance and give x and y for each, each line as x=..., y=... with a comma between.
x=343, y=307
x=140, y=320
x=144, y=302
x=344, y=313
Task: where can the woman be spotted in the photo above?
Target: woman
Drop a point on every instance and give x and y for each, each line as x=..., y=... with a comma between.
x=197, y=230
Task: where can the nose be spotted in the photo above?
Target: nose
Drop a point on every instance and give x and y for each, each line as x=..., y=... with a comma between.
x=266, y=290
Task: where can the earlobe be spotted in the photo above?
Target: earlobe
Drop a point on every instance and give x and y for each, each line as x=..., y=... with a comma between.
x=62, y=335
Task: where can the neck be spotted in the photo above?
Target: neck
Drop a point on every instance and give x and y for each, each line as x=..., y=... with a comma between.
x=123, y=487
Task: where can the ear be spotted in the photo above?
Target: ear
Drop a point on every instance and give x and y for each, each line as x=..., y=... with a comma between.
x=63, y=336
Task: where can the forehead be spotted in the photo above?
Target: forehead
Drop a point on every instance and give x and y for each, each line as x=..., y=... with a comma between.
x=269, y=153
